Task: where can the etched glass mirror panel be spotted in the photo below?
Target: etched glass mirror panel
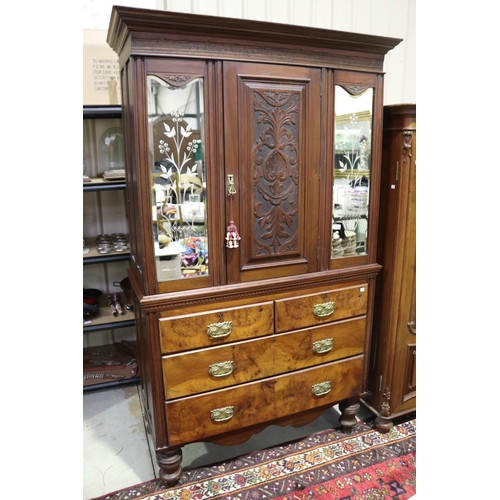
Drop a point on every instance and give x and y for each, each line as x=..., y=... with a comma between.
x=352, y=166
x=177, y=168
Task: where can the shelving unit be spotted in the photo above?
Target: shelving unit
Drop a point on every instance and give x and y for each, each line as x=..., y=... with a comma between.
x=106, y=320
x=106, y=198
x=94, y=257
x=102, y=112
x=102, y=185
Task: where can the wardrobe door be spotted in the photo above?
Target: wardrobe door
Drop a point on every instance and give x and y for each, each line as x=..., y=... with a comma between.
x=272, y=142
x=405, y=385
x=182, y=173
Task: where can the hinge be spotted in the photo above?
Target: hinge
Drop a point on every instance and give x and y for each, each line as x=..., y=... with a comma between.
x=380, y=385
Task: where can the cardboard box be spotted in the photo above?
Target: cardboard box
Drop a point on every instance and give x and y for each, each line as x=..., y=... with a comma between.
x=101, y=70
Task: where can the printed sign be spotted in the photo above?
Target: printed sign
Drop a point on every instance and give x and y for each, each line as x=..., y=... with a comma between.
x=101, y=71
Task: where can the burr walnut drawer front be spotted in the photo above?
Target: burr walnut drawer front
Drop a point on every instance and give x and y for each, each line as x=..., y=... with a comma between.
x=318, y=345
x=197, y=417
x=320, y=308
x=217, y=367
x=213, y=368
x=193, y=331
x=322, y=385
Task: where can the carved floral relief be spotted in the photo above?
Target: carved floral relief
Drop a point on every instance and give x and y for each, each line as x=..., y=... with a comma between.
x=276, y=172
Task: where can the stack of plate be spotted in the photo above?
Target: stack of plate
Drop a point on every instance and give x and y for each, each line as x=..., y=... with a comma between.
x=349, y=243
x=337, y=250
x=357, y=203
x=114, y=175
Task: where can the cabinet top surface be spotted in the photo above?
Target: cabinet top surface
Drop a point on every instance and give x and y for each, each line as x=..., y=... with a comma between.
x=127, y=21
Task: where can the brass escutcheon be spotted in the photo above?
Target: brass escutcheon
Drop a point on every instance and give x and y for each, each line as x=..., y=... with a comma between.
x=231, y=190
x=221, y=369
x=324, y=309
x=217, y=330
x=321, y=388
x=322, y=346
x=221, y=414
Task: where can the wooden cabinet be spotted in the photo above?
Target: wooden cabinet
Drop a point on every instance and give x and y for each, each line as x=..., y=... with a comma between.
x=393, y=390
x=253, y=171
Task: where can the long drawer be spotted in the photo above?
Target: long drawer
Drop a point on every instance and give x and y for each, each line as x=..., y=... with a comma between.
x=182, y=333
x=320, y=308
x=197, y=417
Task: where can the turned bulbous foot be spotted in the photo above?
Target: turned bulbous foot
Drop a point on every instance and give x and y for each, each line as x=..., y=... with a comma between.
x=384, y=425
x=170, y=466
x=348, y=415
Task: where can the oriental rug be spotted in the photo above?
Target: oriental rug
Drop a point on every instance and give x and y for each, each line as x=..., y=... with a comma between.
x=364, y=465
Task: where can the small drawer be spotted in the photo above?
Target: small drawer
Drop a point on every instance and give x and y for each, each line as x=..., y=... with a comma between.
x=314, y=387
x=197, y=417
x=320, y=308
x=318, y=345
x=193, y=331
x=217, y=367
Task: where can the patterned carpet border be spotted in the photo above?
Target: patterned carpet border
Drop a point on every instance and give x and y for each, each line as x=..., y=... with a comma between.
x=328, y=465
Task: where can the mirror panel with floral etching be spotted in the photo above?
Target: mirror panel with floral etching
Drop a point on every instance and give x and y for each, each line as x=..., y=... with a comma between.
x=178, y=184
x=352, y=166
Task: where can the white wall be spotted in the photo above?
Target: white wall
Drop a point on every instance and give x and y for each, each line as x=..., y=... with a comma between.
x=392, y=18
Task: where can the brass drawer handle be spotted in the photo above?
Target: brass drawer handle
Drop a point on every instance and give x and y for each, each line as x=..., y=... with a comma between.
x=222, y=414
x=221, y=369
x=322, y=388
x=325, y=309
x=218, y=330
x=322, y=346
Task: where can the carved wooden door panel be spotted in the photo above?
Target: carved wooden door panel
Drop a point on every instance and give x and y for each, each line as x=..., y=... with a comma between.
x=272, y=143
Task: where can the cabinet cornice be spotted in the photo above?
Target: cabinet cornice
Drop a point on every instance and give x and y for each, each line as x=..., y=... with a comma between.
x=156, y=30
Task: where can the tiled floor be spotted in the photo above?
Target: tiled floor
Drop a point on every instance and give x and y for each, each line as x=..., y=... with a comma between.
x=117, y=452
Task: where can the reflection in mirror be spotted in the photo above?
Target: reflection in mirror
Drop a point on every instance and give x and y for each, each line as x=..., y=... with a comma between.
x=352, y=164
x=176, y=141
